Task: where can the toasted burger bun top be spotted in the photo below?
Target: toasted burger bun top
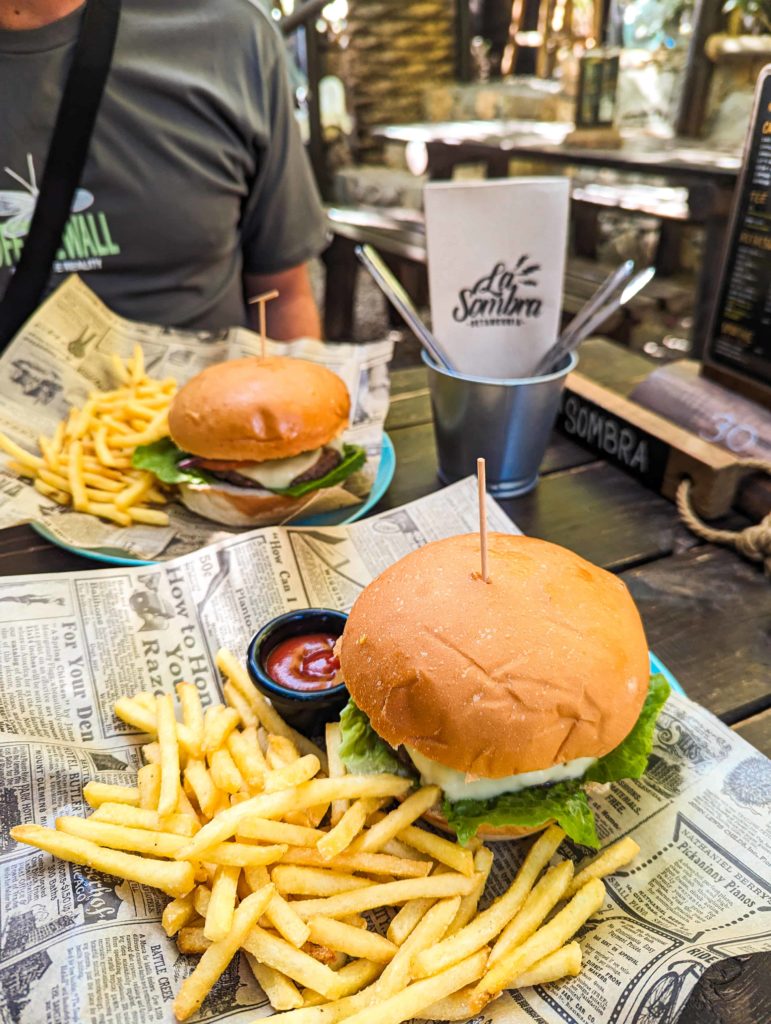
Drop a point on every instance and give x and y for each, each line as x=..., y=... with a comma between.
x=256, y=409
x=545, y=663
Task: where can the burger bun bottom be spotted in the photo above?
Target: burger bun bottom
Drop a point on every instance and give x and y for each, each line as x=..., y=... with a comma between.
x=241, y=506
x=488, y=833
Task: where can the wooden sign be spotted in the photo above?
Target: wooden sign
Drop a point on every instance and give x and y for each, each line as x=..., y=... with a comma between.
x=738, y=348
x=647, y=446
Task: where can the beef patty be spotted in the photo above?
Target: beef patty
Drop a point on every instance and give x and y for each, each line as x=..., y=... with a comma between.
x=328, y=459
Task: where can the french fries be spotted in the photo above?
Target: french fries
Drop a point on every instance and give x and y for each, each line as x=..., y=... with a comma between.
x=547, y=940
x=357, y=942
x=428, y=931
x=149, y=785
x=87, y=462
x=375, y=838
x=196, y=987
x=222, y=903
x=167, y=740
x=173, y=878
x=280, y=990
x=416, y=997
x=491, y=921
x=483, y=862
x=356, y=976
x=445, y=852
x=370, y=863
x=335, y=768
x=275, y=952
x=385, y=894
x=177, y=914
x=613, y=857
x=544, y=896
x=405, y=920
x=564, y=963
x=315, y=881
x=98, y=793
x=259, y=849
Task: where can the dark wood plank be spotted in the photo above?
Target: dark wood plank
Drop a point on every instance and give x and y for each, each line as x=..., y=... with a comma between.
x=757, y=731
x=415, y=466
x=563, y=454
x=416, y=463
x=591, y=507
x=613, y=365
x=707, y=18
x=23, y=551
x=410, y=378
x=706, y=613
x=734, y=991
x=409, y=409
x=603, y=515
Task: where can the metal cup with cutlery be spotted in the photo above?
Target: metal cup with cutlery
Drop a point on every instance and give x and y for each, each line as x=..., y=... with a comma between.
x=505, y=421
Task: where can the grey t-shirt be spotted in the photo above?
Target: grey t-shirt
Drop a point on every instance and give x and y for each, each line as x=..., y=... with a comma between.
x=196, y=171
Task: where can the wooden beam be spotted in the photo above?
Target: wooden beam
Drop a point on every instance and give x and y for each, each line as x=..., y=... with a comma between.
x=694, y=90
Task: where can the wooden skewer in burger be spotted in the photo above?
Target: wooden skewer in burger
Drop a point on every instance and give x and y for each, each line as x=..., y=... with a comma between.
x=516, y=690
x=262, y=301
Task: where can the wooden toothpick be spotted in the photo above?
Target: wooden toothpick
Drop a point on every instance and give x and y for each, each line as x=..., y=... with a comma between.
x=481, y=483
x=263, y=300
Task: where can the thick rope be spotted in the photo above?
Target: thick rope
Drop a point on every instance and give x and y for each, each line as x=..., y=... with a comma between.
x=754, y=542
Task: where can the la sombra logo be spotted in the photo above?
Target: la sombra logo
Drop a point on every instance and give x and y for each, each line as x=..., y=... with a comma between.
x=502, y=298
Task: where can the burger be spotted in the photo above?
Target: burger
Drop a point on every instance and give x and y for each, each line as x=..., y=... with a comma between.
x=252, y=440
x=517, y=695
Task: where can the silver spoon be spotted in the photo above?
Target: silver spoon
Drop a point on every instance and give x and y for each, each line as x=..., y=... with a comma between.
x=612, y=282
x=638, y=282
x=558, y=351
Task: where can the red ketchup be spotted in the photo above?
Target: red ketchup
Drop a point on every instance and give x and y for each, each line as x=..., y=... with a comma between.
x=305, y=662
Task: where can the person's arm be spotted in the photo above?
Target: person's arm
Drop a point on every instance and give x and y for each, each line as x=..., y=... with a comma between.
x=294, y=313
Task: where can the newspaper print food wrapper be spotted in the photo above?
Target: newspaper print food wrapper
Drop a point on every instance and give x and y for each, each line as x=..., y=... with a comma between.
x=63, y=353
x=79, y=947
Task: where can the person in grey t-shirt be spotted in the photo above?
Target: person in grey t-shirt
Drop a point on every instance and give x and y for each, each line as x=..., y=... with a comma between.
x=197, y=192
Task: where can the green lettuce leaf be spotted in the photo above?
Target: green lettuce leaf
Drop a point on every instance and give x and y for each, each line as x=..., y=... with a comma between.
x=353, y=459
x=629, y=760
x=362, y=751
x=564, y=802
x=161, y=457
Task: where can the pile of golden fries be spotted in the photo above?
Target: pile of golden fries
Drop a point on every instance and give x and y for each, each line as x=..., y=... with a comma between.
x=226, y=818
x=87, y=462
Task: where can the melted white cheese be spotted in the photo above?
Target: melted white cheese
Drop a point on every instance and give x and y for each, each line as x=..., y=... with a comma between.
x=456, y=787
x=276, y=474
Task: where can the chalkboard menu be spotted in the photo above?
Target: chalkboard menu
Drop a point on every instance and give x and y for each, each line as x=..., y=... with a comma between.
x=739, y=347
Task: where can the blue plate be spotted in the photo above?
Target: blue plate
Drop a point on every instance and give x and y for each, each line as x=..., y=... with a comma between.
x=657, y=666
x=385, y=475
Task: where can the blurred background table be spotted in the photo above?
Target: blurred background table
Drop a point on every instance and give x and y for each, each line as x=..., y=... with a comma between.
x=706, y=612
x=678, y=182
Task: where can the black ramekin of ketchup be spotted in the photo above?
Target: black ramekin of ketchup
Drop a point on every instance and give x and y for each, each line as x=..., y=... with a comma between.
x=292, y=662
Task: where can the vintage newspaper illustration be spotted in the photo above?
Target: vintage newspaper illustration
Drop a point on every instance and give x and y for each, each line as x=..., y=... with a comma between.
x=64, y=352
x=77, y=946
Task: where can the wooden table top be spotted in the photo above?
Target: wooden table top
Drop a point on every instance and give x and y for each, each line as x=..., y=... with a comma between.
x=706, y=611
x=639, y=151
